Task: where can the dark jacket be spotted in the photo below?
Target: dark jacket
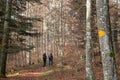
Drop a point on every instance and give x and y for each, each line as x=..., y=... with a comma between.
x=44, y=56
x=51, y=57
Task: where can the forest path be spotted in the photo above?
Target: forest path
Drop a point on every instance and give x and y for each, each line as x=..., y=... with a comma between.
x=35, y=73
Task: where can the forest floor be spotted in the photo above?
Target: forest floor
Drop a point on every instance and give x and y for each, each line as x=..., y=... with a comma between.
x=73, y=68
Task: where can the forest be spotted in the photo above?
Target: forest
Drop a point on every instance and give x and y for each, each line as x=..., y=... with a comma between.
x=59, y=40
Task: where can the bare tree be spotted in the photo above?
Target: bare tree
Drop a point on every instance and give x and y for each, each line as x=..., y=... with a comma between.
x=105, y=40
x=89, y=69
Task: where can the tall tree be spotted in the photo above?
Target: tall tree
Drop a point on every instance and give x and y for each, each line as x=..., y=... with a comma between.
x=14, y=26
x=5, y=42
x=105, y=40
x=61, y=31
x=89, y=69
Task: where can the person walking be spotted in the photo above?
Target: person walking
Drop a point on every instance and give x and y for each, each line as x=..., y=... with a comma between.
x=44, y=59
x=50, y=59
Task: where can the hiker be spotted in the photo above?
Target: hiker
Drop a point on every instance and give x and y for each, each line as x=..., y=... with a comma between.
x=44, y=59
x=50, y=59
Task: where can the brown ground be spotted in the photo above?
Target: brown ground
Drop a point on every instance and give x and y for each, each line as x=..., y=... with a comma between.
x=73, y=69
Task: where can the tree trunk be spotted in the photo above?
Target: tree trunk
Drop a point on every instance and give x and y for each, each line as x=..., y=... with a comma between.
x=89, y=69
x=28, y=57
x=60, y=29
x=106, y=46
x=4, y=43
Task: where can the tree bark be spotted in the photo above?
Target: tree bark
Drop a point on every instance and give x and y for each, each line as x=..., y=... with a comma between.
x=89, y=69
x=106, y=46
x=4, y=43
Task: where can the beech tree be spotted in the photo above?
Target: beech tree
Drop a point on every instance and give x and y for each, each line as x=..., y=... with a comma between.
x=89, y=70
x=106, y=46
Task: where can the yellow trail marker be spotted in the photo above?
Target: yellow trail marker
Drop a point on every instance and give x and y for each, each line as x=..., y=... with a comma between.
x=101, y=33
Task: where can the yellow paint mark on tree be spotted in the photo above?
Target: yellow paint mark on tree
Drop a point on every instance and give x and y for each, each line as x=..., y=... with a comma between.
x=101, y=33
